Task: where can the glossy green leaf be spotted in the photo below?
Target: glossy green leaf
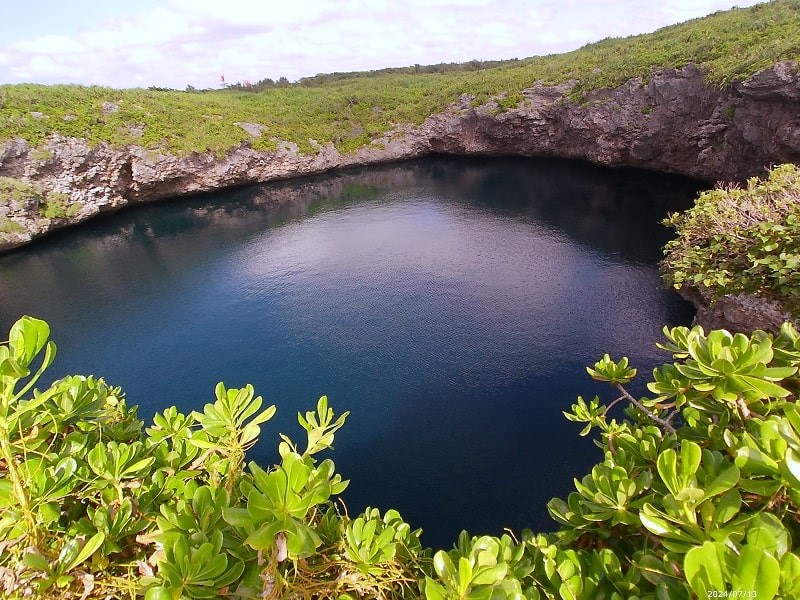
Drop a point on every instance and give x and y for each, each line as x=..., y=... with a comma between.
x=26, y=339
x=705, y=568
x=158, y=593
x=434, y=590
x=490, y=575
x=757, y=572
x=792, y=459
x=721, y=483
x=755, y=462
x=91, y=546
x=667, y=464
x=691, y=455
x=790, y=575
x=444, y=566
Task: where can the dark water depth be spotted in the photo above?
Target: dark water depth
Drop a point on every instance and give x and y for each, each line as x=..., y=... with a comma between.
x=450, y=305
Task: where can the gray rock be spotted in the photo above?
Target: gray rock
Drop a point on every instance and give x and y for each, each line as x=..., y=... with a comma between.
x=253, y=129
x=737, y=312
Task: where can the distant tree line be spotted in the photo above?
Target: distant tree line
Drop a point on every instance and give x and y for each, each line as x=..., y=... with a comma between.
x=473, y=65
x=258, y=86
x=325, y=78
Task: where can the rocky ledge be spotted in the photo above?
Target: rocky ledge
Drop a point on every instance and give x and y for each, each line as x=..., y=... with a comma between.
x=671, y=121
x=738, y=312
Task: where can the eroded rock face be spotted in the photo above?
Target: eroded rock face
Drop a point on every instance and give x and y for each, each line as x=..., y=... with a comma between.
x=743, y=313
x=671, y=122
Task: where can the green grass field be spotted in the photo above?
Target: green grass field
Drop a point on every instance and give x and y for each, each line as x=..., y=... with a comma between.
x=353, y=109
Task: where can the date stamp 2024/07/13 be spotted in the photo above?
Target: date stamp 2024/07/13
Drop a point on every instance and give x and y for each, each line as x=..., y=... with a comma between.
x=732, y=594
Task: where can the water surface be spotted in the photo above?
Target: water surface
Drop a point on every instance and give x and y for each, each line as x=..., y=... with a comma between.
x=451, y=305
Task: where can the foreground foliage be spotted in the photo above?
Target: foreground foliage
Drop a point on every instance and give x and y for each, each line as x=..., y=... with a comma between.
x=741, y=240
x=698, y=493
x=353, y=110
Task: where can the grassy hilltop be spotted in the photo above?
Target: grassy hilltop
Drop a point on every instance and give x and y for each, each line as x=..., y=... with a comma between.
x=352, y=109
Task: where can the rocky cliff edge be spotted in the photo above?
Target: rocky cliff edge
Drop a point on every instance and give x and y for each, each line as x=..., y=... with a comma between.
x=672, y=121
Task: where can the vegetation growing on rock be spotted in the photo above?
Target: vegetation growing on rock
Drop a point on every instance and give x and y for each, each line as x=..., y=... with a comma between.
x=18, y=197
x=741, y=240
x=698, y=493
x=352, y=110
x=16, y=191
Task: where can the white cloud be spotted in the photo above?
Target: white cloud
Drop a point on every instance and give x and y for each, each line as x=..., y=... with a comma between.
x=51, y=45
x=184, y=42
x=253, y=15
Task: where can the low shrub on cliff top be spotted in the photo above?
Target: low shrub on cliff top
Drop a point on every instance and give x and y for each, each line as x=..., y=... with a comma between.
x=18, y=197
x=697, y=495
x=741, y=240
x=355, y=110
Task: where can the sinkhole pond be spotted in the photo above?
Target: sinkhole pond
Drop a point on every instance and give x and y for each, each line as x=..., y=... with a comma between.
x=449, y=304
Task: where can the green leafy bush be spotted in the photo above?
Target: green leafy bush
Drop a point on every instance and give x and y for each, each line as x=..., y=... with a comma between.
x=95, y=505
x=741, y=240
x=697, y=494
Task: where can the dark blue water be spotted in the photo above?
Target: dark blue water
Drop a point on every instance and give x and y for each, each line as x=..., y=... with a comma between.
x=450, y=305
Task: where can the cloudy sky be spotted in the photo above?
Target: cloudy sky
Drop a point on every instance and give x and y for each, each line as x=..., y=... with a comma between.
x=175, y=43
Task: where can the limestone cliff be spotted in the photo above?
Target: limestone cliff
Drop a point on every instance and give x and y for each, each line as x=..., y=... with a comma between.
x=672, y=122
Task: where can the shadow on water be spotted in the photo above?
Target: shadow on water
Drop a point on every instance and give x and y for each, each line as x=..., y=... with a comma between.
x=450, y=304
x=574, y=198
